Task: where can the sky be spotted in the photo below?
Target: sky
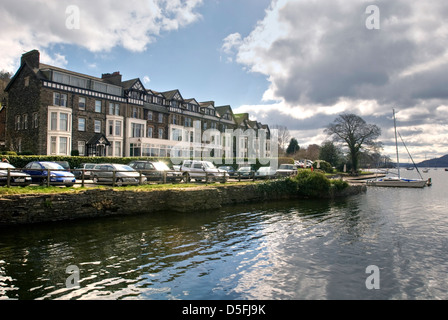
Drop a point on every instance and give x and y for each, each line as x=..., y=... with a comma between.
x=296, y=63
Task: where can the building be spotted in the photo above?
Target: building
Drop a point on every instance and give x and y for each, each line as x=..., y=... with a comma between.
x=54, y=111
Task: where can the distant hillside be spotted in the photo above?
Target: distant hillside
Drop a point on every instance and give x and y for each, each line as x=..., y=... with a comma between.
x=437, y=162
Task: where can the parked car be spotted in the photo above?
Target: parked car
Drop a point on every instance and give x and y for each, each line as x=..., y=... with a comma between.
x=199, y=170
x=245, y=172
x=154, y=170
x=17, y=178
x=229, y=169
x=64, y=164
x=38, y=170
x=87, y=173
x=287, y=170
x=124, y=175
x=266, y=173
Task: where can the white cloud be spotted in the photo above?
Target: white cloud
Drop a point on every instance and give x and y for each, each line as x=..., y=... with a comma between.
x=146, y=80
x=103, y=25
x=321, y=60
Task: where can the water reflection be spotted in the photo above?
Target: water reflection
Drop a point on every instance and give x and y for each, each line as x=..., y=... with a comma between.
x=285, y=250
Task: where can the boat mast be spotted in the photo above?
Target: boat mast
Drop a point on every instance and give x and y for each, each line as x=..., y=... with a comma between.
x=396, y=144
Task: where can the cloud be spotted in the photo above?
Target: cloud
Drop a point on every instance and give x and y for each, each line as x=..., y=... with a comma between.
x=321, y=60
x=146, y=80
x=102, y=26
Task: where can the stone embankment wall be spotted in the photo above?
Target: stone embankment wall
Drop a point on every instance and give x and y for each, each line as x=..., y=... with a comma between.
x=33, y=208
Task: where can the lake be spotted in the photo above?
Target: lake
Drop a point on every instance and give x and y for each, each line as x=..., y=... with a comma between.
x=304, y=249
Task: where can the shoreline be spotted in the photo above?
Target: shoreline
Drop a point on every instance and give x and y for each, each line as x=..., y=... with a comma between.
x=21, y=209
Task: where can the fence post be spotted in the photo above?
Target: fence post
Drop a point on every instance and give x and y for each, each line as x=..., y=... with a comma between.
x=82, y=177
x=140, y=177
x=8, y=178
x=113, y=178
x=164, y=177
x=48, y=178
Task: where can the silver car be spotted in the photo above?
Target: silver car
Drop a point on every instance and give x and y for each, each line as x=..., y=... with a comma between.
x=124, y=175
x=16, y=178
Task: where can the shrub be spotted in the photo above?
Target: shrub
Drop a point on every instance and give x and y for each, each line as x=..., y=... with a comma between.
x=280, y=186
x=324, y=165
x=338, y=184
x=312, y=184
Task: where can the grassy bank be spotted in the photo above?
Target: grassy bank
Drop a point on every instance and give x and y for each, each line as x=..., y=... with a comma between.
x=306, y=183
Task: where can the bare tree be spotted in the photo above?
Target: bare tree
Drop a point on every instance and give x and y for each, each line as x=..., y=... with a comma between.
x=283, y=136
x=355, y=133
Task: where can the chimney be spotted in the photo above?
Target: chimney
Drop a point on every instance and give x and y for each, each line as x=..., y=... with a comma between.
x=32, y=58
x=114, y=78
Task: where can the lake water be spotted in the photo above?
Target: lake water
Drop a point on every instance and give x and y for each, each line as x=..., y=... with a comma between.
x=291, y=250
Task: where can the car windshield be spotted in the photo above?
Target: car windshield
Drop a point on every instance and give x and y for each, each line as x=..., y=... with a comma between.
x=123, y=168
x=285, y=166
x=244, y=169
x=49, y=165
x=208, y=164
x=161, y=166
x=4, y=165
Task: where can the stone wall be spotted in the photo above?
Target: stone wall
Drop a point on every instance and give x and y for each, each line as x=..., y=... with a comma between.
x=90, y=203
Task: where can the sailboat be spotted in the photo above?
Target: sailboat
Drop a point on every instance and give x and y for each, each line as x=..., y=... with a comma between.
x=399, y=181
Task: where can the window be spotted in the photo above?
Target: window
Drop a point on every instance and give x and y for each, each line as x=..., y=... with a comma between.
x=27, y=81
x=35, y=120
x=149, y=115
x=150, y=132
x=98, y=126
x=111, y=127
x=59, y=99
x=188, y=122
x=54, y=121
x=160, y=117
x=17, y=123
x=98, y=106
x=117, y=148
x=160, y=133
x=134, y=112
x=63, y=124
x=53, y=145
x=118, y=128
x=81, y=124
x=63, y=145
x=114, y=109
x=25, y=121
x=82, y=148
x=82, y=103
x=137, y=130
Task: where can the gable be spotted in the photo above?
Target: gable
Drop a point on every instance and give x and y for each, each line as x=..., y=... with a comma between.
x=138, y=86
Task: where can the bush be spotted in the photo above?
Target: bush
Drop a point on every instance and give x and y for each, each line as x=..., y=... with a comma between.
x=312, y=184
x=339, y=185
x=324, y=165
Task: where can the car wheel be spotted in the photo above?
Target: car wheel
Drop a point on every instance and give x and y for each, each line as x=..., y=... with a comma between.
x=119, y=182
x=95, y=179
x=68, y=185
x=186, y=177
x=43, y=182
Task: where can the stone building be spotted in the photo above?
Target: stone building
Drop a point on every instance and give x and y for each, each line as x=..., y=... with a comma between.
x=54, y=111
